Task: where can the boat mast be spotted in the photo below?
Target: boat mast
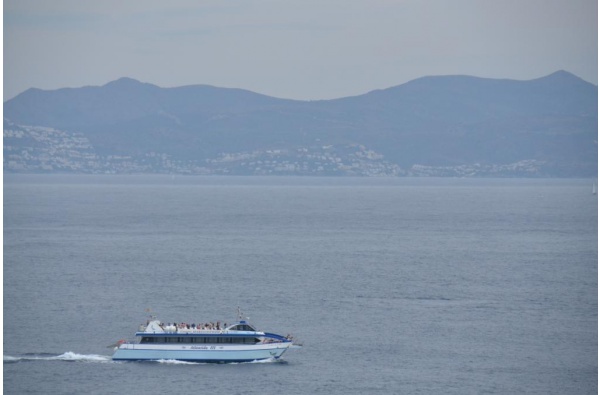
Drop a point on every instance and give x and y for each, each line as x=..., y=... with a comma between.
x=241, y=315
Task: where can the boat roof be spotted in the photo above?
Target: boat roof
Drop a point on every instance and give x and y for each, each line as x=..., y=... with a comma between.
x=240, y=328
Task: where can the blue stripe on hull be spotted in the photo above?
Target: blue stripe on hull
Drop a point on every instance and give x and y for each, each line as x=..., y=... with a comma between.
x=198, y=355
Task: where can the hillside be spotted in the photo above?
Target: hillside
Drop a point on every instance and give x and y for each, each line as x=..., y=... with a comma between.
x=445, y=126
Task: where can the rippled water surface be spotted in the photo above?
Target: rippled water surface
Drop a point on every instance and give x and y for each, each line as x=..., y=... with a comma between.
x=393, y=285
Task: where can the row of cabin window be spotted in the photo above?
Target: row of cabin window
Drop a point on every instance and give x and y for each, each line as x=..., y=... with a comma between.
x=200, y=340
x=243, y=327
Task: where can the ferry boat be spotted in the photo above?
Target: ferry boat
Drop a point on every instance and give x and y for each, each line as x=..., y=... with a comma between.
x=239, y=342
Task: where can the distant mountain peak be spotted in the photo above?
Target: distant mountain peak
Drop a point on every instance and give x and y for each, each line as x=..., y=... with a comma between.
x=562, y=74
x=562, y=77
x=126, y=82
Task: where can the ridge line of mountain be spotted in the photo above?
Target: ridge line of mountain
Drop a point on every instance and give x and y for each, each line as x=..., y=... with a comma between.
x=135, y=82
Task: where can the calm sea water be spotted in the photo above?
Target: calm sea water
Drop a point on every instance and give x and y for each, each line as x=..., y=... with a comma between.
x=416, y=286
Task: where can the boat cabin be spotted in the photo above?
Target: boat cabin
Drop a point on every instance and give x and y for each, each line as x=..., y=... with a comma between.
x=242, y=326
x=157, y=333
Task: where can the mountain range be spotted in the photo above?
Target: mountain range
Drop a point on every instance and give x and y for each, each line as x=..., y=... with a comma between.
x=434, y=126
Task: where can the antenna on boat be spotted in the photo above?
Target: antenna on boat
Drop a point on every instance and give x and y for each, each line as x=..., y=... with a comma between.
x=241, y=315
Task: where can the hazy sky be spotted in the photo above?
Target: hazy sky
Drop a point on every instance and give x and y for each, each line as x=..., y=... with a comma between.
x=300, y=49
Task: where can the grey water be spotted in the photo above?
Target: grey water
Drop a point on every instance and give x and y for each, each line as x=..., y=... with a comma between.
x=415, y=286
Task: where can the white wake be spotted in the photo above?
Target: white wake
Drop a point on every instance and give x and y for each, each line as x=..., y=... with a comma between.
x=68, y=356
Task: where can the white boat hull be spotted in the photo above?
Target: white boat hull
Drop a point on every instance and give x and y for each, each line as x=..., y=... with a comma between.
x=200, y=353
